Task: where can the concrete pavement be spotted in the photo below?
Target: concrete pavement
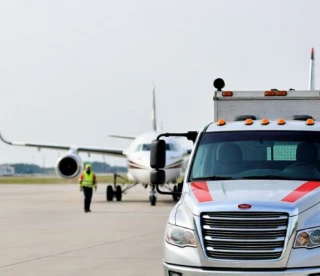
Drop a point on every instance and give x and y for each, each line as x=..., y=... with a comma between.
x=44, y=231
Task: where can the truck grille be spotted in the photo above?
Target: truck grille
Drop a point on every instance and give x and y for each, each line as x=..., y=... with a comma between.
x=244, y=235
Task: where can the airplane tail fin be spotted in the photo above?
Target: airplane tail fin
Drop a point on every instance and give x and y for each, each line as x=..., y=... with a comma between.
x=311, y=72
x=153, y=116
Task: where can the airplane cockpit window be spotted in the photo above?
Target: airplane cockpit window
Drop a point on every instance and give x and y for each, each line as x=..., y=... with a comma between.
x=147, y=147
x=138, y=147
x=171, y=147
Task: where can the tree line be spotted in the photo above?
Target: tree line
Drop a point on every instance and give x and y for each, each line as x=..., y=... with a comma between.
x=98, y=167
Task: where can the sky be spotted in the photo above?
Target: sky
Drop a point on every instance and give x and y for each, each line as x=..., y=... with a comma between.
x=75, y=71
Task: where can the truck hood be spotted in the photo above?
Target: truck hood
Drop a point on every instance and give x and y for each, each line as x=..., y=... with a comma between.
x=293, y=196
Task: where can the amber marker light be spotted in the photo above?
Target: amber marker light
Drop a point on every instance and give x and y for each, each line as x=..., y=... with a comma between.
x=221, y=122
x=227, y=93
x=310, y=122
x=281, y=93
x=281, y=122
x=302, y=239
x=249, y=122
x=264, y=121
x=269, y=93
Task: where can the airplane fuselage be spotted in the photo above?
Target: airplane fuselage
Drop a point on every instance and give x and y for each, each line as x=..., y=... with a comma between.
x=138, y=159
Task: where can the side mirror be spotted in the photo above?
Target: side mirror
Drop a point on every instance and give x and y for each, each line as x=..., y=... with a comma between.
x=158, y=177
x=158, y=154
x=192, y=135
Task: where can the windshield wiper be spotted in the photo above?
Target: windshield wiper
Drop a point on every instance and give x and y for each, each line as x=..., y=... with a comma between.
x=269, y=176
x=213, y=177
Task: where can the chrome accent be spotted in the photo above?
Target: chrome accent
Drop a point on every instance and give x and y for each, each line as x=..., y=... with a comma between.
x=207, y=227
x=191, y=271
x=243, y=251
x=237, y=238
x=244, y=240
x=281, y=207
x=237, y=218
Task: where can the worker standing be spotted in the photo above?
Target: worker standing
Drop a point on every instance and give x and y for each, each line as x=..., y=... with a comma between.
x=87, y=182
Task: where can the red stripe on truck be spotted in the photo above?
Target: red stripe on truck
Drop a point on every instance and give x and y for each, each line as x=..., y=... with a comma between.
x=301, y=191
x=201, y=191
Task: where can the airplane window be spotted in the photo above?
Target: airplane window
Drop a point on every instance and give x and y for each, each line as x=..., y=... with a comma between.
x=146, y=147
x=172, y=147
x=138, y=147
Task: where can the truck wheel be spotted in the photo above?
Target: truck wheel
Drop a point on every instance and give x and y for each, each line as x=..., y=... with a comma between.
x=152, y=200
x=109, y=193
x=118, y=193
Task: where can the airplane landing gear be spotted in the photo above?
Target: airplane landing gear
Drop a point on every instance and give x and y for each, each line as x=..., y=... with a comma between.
x=177, y=189
x=116, y=191
x=111, y=193
x=153, y=196
x=175, y=197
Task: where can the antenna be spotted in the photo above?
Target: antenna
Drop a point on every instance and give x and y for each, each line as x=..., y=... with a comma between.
x=154, y=117
x=311, y=72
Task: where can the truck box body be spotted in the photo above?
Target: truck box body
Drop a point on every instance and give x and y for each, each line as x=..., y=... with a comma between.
x=251, y=192
x=272, y=107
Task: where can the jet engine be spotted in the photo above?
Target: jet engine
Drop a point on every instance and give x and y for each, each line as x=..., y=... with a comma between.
x=69, y=166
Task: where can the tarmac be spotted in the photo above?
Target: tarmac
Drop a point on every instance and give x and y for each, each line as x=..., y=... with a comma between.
x=44, y=231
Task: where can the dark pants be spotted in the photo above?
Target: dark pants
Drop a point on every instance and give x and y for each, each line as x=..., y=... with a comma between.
x=87, y=197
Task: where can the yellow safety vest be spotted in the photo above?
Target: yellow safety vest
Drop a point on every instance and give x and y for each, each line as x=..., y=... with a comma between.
x=88, y=179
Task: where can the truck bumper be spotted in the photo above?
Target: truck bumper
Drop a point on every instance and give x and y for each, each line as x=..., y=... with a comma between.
x=187, y=271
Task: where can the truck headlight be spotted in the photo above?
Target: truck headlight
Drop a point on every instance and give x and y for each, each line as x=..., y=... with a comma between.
x=180, y=236
x=308, y=238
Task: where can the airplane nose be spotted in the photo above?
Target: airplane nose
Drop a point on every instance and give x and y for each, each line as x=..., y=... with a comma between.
x=145, y=162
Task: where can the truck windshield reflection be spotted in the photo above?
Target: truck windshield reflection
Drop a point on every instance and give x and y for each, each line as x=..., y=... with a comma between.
x=290, y=155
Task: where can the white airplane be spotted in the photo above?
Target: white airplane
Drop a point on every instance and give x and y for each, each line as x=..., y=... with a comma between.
x=138, y=160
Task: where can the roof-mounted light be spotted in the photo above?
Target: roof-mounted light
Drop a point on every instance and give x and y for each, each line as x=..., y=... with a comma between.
x=275, y=93
x=281, y=93
x=227, y=94
x=248, y=122
x=269, y=93
x=221, y=122
x=310, y=122
x=265, y=121
x=218, y=84
x=281, y=121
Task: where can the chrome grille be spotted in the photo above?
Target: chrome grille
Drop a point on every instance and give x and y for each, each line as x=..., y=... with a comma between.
x=244, y=235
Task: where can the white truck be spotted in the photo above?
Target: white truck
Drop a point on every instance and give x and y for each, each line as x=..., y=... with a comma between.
x=249, y=204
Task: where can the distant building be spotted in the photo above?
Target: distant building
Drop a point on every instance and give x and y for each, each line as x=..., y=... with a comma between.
x=6, y=170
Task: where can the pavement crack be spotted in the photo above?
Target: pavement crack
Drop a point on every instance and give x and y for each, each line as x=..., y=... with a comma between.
x=79, y=249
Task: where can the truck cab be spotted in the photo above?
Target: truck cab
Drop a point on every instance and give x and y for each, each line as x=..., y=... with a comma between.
x=251, y=191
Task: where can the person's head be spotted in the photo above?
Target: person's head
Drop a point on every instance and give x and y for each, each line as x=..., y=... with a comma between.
x=88, y=167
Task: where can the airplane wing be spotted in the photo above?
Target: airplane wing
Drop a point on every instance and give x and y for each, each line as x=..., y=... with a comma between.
x=123, y=137
x=113, y=152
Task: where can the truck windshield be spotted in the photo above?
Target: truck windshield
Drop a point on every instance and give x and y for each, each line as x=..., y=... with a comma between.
x=258, y=155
